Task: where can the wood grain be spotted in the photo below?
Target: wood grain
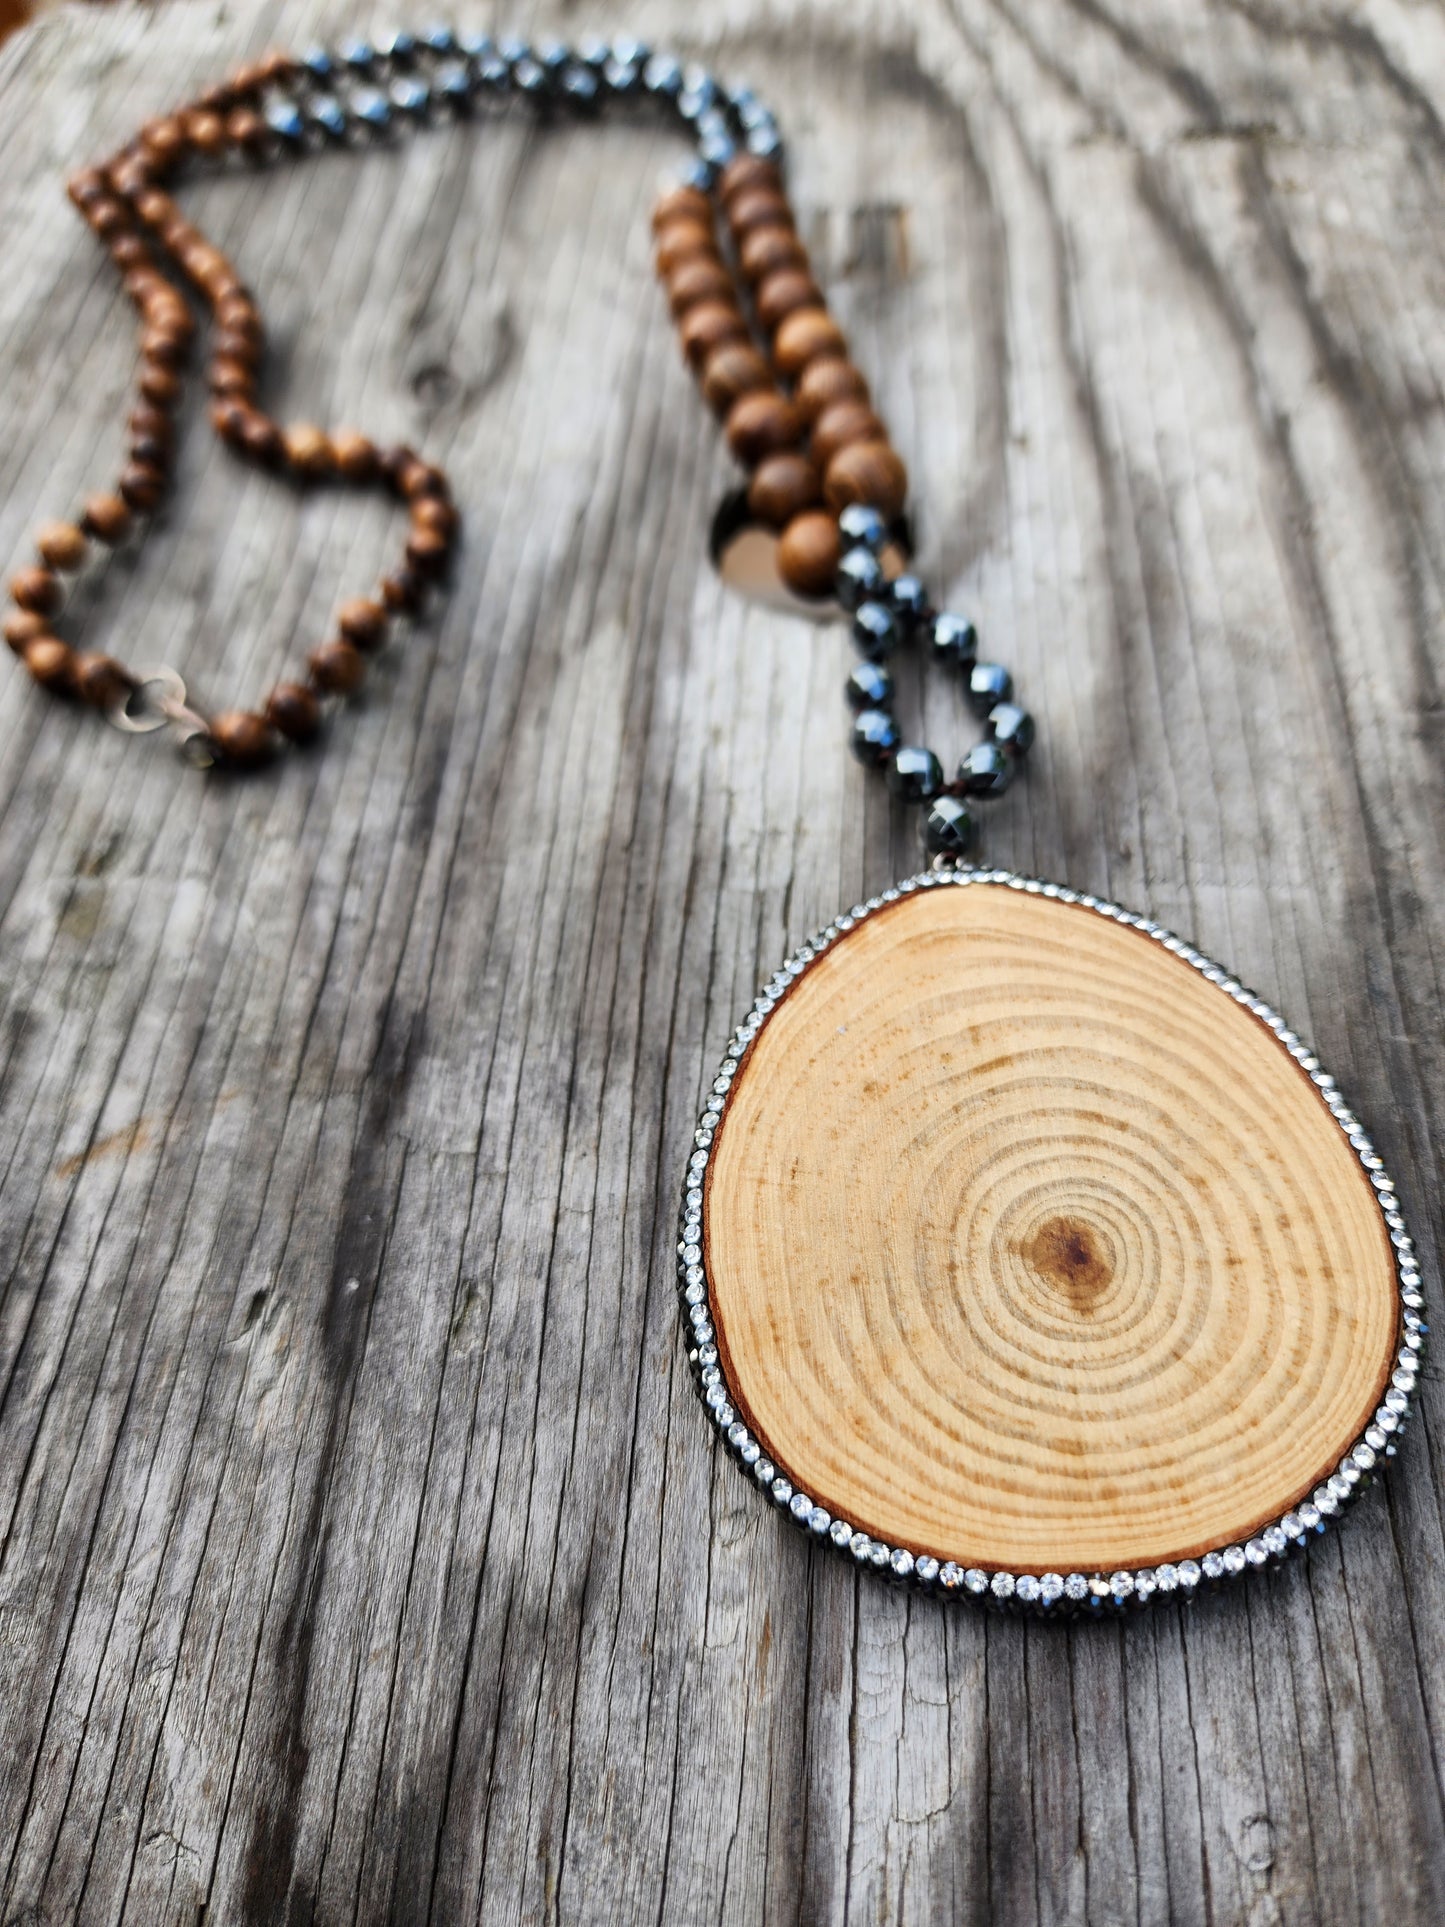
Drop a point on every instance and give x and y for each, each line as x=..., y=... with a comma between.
x=1029, y=1248
x=363, y=1555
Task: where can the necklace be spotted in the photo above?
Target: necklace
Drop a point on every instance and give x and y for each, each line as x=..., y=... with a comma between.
x=1024, y=1253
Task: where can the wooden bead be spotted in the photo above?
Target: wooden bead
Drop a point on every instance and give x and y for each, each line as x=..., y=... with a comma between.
x=163, y=346
x=61, y=545
x=767, y=249
x=86, y=186
x=147, y=451
x=293, y=709
x=129, y=251
x=242, y=738
x=228, y=418
x=260, y=437
x=745, y=172
x=52, y=663
x=870, y=472
x=336, y=667
x=427, y=551
x=160, y=384
x=782, y=293
x=107, y=218
x=759, y=207
x=155, y=208
x=37, y=590
x=107, y=518
x=100, y=680
x=808, y=552
x=308, y=450
x=142, y=488
x=707, y=326
x=227, y=377
x=22, y=627
x=246, y=129
x=415, y=478
x=736, y=368
x=828, y=379
x=205, y=131
x=403, y=591
x=844, y=422
x=362, y=622
x=356, y=455
x=432, y=512
x=760, y=424
x=237, y=344
x=703, y=278
x=678, y=204
x=783, y=486
x=685, y=241
x=806, y=334
x=240, y=316
x=164, y=142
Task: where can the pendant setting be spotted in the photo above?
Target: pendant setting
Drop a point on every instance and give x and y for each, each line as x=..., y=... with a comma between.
x=1026, y=1255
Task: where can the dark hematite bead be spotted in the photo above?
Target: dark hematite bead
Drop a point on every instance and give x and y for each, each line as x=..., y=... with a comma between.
x=915, y=774
x=579, y=89
x=1012, y=726
x=398, y=47
x=871, y=687
x=552, y=57
x=861, y=526
x=663, y=76
x=438, y=38
x=452, y=86
x=318, y=64
x=910, y=602
x=987, y=770
x=949, y=828
x=529, y=77
x=953, y=641
x=860, y=577
x=622, y=76
x=989, y=684
x=875, y=630
x=875, y=735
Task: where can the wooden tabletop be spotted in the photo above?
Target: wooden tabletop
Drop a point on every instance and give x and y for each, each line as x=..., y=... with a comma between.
x=364, y=1553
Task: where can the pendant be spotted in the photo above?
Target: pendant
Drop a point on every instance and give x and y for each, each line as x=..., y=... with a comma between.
x=1025, y=1254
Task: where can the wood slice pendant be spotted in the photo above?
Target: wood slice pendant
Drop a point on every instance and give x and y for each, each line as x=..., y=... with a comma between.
x=1026, y=1253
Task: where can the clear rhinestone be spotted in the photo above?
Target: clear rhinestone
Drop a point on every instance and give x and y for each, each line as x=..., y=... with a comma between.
x=782, y=1490
x=800, y=1505
x=858, y=1545
x=1121, y=1584
x=840, y=1532
x=1144, y=1585
x=1375, y=1438
x=976, y=1581
x=819, y=1520
x=1099, y=1589
x=765, y=1471
x=1256, y=1552
x=1076, y=1586
x=877, y=1554
x=1051, y=1588
x=1212, y=1565
x=737, y=1435
x=1326, y=1501
x=1189, y=1574
x=1309, y=1517
x=950, y=1576
x=1002, y=1585
x=901, y=1562
x=926, y=1568
x=1026, y=1587
x=1275, y=1542
x=1166, y=1578
x=751, y=1452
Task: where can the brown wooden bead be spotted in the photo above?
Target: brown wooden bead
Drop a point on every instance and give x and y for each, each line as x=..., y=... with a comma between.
x=22, y=627
x=708, y=326
x=844, y=422
x=129, y=251
x=808, y=552
x=260, y=437
x=160, y=384
x=107, y=518
x=246, y=129
x=745, y=172
x=761, y=423
x=414, y=478
x=37, y=590
x=826, y=380
x=308, y=450
x=107, y=218
x=293, y=709
x=759, y=207
x=427, y=551
x=806, y=334
x=61, y=545
x=403, y=591
x=704, y=278
x=149, y=452
x=784, y=292
x=736, y=368
x=228, y=419
x=767, y=249
x=236, y=344
x=164, y=142
x=362, y=622
x=141, y=487
x=783, y=486
x=685, y=241
x=242, y=738
x=163, y=346
x=86, y=186
x=205, y=131
x=228, y=377
x=100, y=680
x=52, y=663
x=155, y=207
x=238, y=315
x=131, y=174
x=432, y=512
x=678, y=204
x=356, y=456
x=336, y=667
x=870, y=472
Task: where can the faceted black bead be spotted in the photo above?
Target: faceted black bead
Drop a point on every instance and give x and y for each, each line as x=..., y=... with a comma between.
x=399, y=48
x=410, y=96
x=283, y=117
x=622, y=76
x=766, y=142
x=861, y=526
x=552, y=57
x=987, y=770
x=512, y=50
x=318, y=63
x=915, y=774
x=875, y=735
x=580, y=90
x=593, y=52
x=529, y=77
x=359, y=55
x=452, y=86
x=910, y=602
x=439, y=38
x=870, y=687
x=860, y=577
x=716, y=151
x=1012, y=726
x=663, y=76
x=476, y=46
x=875, y=630
x=949, y=828
x=954, y=641
x=326, y=114
x=988, y=685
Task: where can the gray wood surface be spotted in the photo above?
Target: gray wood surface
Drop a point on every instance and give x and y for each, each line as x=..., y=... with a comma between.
x=363, y=1553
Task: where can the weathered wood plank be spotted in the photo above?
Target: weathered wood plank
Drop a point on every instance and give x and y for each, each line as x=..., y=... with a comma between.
x=362, y=1554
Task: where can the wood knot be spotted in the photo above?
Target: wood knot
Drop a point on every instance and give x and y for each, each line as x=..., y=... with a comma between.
x=1066, y=1252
